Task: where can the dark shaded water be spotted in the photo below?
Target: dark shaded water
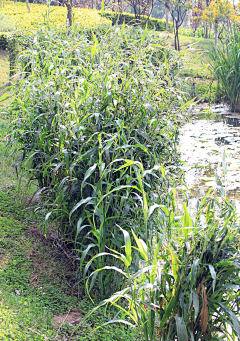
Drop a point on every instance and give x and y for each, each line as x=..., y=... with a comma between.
x=202, y=145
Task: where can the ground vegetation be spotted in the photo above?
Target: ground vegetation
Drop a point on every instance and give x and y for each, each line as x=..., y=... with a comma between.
x=91, y=125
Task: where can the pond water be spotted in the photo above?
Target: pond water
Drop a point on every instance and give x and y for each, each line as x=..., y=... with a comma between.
x=202, y=144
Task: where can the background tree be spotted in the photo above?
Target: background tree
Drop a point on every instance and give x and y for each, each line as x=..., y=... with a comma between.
x=28, y=6
x=141, y=7
x=220, y=12
x=197, y=9
x=166, y=16
x=69, y=6
x=178, y=10
x=207, y=3
x=158, y=10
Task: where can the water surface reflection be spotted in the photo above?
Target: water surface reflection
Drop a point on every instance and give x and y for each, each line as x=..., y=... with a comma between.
x=202, y=144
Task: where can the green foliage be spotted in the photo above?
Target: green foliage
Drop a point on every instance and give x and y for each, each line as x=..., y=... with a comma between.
x=83, y=104
x=203, y=90
x=199, y=33
x=209, y=92
x=13, y=42
x=225, y=63
x=3, y=41
x=182, y=281
x=16, y=42
x=6, y=25
x=129, y=19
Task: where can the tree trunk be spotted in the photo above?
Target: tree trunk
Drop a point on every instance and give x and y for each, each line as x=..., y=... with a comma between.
x=28, y=7
x=206, y=32
x=69, y=12
x=166, y=15
x=176, y=39
x=216, y=32
x=178, y=44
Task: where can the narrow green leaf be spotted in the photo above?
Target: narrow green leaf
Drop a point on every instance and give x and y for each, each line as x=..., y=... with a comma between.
x=195, y=304
x=79, y=204
x=141, y=248
x=236, y=323
x=128, y=247
x=84, y=254
x=187, y=222
x=151, y=210
x=181, y=329
x=89, y=173
x=224, y=163
x=171, y=304
x=149, y=107
x=174, y=264
x=184, y=106
x=214, y=275
x=144, y=34
x=194, y=271
x=102, y=8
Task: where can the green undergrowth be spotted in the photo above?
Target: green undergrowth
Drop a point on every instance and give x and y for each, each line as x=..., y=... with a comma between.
x=196, y=56
x=37, y=281
x=196, y=69
x=196, y=76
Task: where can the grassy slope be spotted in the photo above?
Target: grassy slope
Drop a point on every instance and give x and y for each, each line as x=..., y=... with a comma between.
x=196, y=56
x=196, y=66
x=196, y=70
x=37, y=281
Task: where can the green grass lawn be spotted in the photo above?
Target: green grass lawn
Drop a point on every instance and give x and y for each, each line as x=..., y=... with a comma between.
x=196, y=56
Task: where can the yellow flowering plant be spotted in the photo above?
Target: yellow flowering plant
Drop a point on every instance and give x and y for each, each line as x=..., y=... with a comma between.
x=57, y=15
x=220, y=10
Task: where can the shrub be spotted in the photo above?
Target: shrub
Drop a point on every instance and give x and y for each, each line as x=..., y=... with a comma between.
x=6, y=25
x=3, y=41
x=129, y=19
x=82, y=106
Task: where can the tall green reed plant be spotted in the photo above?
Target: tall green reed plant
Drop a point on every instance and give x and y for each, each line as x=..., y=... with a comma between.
x=85, y=102
x=224, y=64
x=185, y=287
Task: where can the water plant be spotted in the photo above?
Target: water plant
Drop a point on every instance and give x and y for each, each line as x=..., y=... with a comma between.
x=224, y=64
